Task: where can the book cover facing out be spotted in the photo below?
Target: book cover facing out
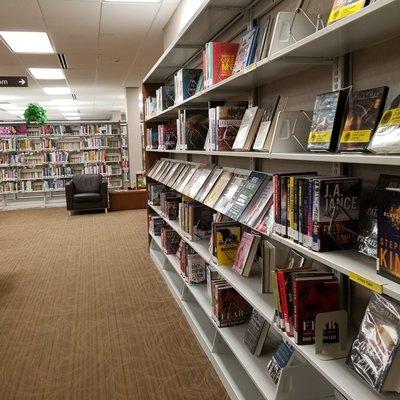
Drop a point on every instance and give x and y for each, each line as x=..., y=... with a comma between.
x=367, y=240
x=389, y=234
x=344, y=8
x=377, y=342
x=227, y=243
x=228, y=120
x=365, y=111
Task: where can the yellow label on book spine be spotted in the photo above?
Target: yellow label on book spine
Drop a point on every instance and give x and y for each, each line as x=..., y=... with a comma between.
x=344, y=11
x=391, y=117
x=320, y=137
x=356, y=136
x=375, y=287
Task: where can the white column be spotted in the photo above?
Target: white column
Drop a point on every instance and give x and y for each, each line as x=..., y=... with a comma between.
x=134, y=132
x=115, y=116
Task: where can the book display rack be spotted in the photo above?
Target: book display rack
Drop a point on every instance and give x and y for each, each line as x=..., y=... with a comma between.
x=311, y=50
x=37, y=161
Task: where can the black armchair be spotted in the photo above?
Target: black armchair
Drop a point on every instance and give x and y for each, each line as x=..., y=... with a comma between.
x=86, y=192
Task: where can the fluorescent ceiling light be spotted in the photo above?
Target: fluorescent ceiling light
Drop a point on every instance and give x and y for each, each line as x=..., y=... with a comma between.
x=47, y=73
x=71, y=114
x=8, y=106
x=57, y=90
x=63, y=102
x=131, y=1
x=68, y=109
x=16, y=112
x=73, y=118
x=27, y=42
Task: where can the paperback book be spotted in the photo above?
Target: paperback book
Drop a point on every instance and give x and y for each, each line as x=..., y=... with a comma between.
x=208, y=185
x=196, y=128
x=256, y=333
x=246, y=51
x=344, y=8
x=226, y=241
x=246, y=253
x=281, y=359
x=248, y=129
x=218, y=188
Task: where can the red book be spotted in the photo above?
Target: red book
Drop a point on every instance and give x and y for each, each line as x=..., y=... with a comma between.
x=223, y=60
x=280, y=275
x=312, y=296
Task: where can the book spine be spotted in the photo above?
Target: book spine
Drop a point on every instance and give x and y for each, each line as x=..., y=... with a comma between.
x=307, y=239
x=277, y=203
x=283, y=205
x=315, y=245
x=296, y=322
x=191, y=221
x=291, y=195
x=283, y=298
x=300, y=210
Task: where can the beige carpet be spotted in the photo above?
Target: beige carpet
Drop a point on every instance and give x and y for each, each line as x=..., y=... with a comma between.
x=84, y=314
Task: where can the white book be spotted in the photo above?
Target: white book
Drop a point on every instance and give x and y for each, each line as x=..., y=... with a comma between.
x=248, y=129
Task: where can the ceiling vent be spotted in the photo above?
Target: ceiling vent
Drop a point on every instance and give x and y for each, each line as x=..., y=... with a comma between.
x=62, y=60
x=73, y=96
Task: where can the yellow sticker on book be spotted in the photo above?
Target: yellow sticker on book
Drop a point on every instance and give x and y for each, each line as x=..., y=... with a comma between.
x=320, y=137
x=340, y=12
x=361, y=136
x=375, y=287
x=390, y=117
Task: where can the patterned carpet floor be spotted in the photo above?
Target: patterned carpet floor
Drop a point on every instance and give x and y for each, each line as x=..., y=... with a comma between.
x=84, y=314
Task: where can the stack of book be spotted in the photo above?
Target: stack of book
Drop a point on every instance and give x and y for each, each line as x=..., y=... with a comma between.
x=170, y=239
x=150, y=107
x=192, y=266
x=169, y=203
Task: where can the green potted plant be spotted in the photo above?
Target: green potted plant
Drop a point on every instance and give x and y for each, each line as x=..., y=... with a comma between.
x=35, y=113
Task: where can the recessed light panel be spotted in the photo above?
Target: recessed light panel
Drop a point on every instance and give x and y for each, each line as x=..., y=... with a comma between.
x=57, y=90
x=68, y=108
x=63, y=102
x=8, y=106
x=47, y=73
x=131, y=1
x=27, y=42
x=71, y=114
x=73, y=118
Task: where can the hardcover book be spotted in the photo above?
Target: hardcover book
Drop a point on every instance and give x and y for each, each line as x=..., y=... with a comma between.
x=208, y=185
x=197, y=181
x=218, y=188
x=365, y=111
x=389, y=234
x=228, y=120
x=246, y=252
x=248, y=129
x=264, y=27
x=228, y=196
x=170, y=240
x=335, y=212
x=264, y=130
x=248, y=190
x=327, y=120
x=227, y=238
x=185, y=82
x=223, y=60
x=367, y=240
x=314, y=295
x=247, y=47
x=280, y=360
x=386, y=139
x=196, y=269
x=256, y=333
x=196, y=128
x=344, y=8
x=168, y=132
x=374, y=354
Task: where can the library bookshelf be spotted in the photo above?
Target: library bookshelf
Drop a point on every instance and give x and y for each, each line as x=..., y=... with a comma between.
x=345, y=53
x=37, y=160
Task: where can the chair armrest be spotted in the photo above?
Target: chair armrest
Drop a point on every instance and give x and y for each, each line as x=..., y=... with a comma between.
x=104, y=193
x=69, y=194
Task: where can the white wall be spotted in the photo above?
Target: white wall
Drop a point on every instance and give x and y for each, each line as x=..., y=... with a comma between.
x=181, y=16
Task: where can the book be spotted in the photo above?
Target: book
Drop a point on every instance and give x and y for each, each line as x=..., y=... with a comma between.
x=154, y=192
x=260, y=202
x=374, y=354
x=218, y=188
x=386, y=139
x=294, y=260
x=185, y=83
x=228, y=196
x=208, y=185
x=264, y=129
x=248, y=129
x=364, y=114
x=388, y=234
x=313, y=295
x=327, y=120
x=268, y=254
x=264, y=27
x=229, y=307
x=222, y=60
x=227, y=238
x=281, y=359
x=335, y=212
x=198, y=180
x=196, y=128
x=246, y=253
x=227, y=124
x=211, y=275
x=367, y=240
x=183, y=179
x=246, y=51
x=169, y=136
x=245, y=194
x=196, y=269
x=170, y=240
x=256, y=333
x=344, y=8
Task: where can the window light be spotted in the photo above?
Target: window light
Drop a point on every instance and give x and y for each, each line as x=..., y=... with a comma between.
x=57, y=90
x=8, y=106
x=27, y=42
x=47, y=73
